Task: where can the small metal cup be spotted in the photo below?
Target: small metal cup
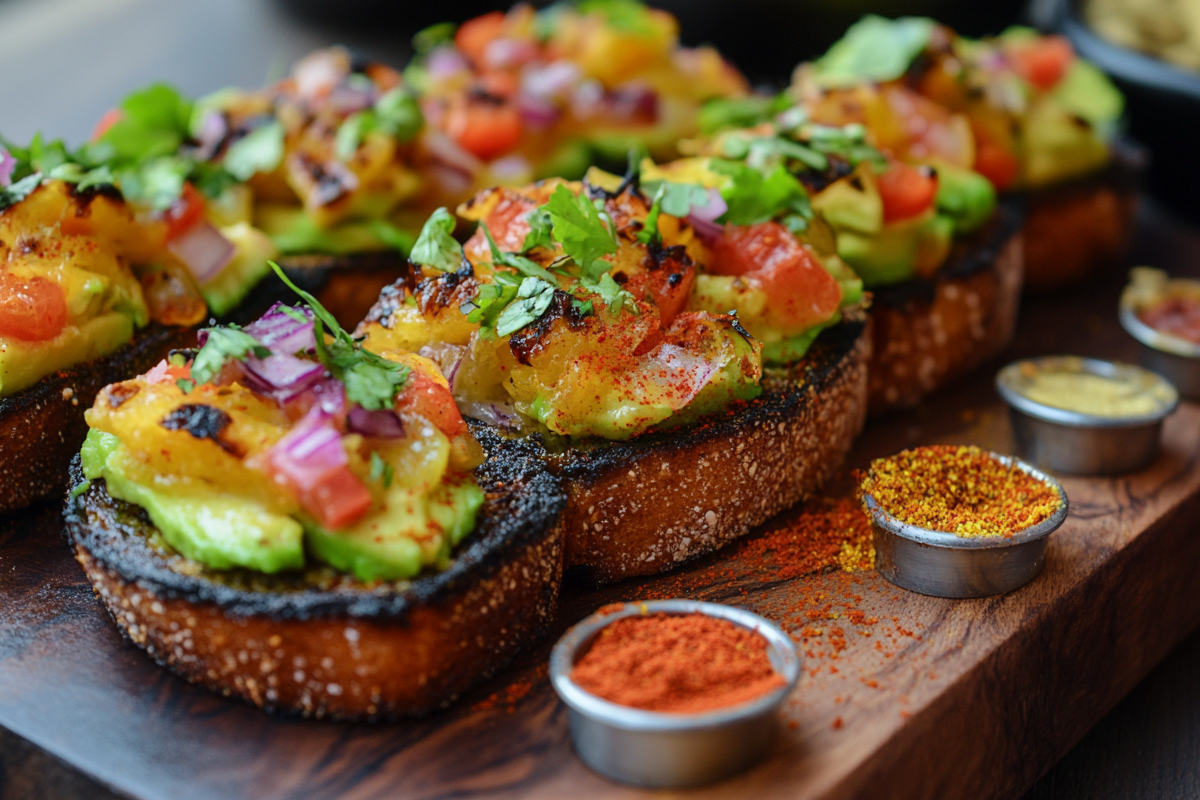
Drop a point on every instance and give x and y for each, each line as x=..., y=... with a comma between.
x=660, y=750
x=945, y=565
x=1177, y=360
x=1083, y=444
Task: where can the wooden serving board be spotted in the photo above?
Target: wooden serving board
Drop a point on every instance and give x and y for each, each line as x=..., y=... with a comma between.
x=903, y=696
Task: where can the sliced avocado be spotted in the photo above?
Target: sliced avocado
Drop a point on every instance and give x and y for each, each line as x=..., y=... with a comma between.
x=852, y=204
x=900, y=251
x=294, y=231
x=1060, y=145
x=793, y=349
x=218, y=530
x=23, y=364
x=727, y=385
x=1087, y=92
x=249, y=265
x=383, y=547
x=964, y=196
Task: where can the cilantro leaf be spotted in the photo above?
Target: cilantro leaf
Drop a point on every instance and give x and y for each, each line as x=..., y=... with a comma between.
x=223, y=344
x=396, y=114
x=16, y=192
x=370, y=380
x=580, y=230
x=523, y=265
x=532, y=299
x=436, y=246
x=261, y=150
x=753, y=197
x=487, y=305
x=381, y=470
x=874, y=49
x=159, y=182
x=733, y=112
x=612, y=293
x=676, y=199
x=539, y=234
x=623, y=15
x=154, y=122
x=426, y=39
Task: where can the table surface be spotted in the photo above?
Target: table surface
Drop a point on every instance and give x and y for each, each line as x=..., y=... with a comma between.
x=1146, y=747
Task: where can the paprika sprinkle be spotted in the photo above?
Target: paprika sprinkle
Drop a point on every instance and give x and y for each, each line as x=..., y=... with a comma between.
x=676, y=663
x=961, y=490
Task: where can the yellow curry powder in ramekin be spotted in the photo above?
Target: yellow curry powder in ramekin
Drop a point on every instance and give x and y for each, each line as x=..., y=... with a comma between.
x=957, y=489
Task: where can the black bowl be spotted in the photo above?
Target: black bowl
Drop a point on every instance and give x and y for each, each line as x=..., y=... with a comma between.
x=1162, y=106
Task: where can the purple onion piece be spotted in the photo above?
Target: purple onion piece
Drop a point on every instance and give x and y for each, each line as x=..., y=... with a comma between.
x=7, y=165
x=282, y=333
x=710, y=211
x=444, y=62
x=707, y=231
x=203, y=250
x=538, y=113
x=282, y=371
x=382, y=424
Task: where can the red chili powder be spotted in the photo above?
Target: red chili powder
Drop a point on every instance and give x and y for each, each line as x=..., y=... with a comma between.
x=680, y=663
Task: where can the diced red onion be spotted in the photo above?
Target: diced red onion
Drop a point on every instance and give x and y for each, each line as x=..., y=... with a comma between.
x=348, y=99
x=586, y=98
x=214, y=127
x=502, y=416
x=710, y=211
x=684, y=371
x=284, y=376
x=283, y=333
x=446, y=151
x=316, y=74
x=511, y=170
x=307, y=453
x=634, y=101
x=506, y=53
x=203, y=250
x=7, y=165
x=448, y=357
x=707, y=231
x=550, y=81
x=537, y=112
x=382, y=424
x=445, y=62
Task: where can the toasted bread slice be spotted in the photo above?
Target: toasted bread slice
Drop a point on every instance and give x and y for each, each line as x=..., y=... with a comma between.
x=926, y=333
x=645, y=505
x=42, y=427
x=1083, y=225
x=322, y=644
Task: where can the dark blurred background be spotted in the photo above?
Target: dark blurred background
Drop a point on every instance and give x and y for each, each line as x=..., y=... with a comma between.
x=64, y=62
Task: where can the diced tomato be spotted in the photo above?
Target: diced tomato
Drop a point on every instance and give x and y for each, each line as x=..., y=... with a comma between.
x=995, y=163
x=337, y=499
x=906, y=191
x=670, y=286
x=33, y=309
x=185, y=212
x=499, y=84
x=110, y=118
x=1043, y=62
x=426, y=397
x=485, y=128
x=474, y=35
x=802, y=293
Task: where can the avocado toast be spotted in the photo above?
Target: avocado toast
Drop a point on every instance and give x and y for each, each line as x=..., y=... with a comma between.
x=574, y=320
x=284, y=517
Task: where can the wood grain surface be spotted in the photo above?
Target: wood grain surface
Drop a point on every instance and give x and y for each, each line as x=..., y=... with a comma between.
x=937, y=698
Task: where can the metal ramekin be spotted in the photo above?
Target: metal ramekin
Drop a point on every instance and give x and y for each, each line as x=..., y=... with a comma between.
x=945, y=565
x=659, y=750
x=1177, y=360
x=1082, y=444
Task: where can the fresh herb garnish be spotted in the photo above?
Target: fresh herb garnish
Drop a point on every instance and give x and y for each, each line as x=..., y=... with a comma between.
x=523, y=265
x=426, y=39
x=578, y=227
x=396, y=114
x=436, y=246
x=223, y=344
x=532, y=299
x=381, y=470
x=874, y=49
x=261, y=150
x=624, y=15
x=489, y=302
x=153, y=122
x=676, y=199
x=753, y=197
x=16, y=192
x=370, y=380
x=612, y=293
x=540, y=224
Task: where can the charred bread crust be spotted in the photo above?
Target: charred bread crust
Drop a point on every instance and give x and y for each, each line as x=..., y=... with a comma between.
x=1082, y=225
x=347, y=285
x=323, y=645
x=643, y=506
x=926, y=333
x=42, y=427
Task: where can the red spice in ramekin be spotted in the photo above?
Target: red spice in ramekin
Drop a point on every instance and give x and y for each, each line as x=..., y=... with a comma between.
x=676, y=663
